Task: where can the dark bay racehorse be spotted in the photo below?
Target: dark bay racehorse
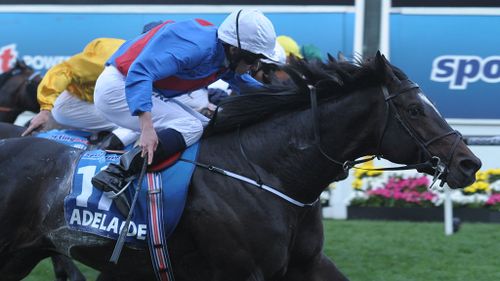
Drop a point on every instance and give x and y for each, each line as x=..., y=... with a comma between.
x=18, y=92
x=230, y=230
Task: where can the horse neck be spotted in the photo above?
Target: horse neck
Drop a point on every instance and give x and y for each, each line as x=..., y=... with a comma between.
x=283, y=153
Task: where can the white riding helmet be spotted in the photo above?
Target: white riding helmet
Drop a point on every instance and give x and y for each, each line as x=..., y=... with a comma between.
x=278, y=57
x=249, y=30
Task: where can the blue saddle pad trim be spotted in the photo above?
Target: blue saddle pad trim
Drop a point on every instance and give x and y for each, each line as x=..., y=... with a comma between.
x=73, y=138
x=89, y=210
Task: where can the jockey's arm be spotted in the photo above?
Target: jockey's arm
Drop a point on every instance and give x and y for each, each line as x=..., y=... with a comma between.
x=55, y=81
x=242, y=83
x=153, y=64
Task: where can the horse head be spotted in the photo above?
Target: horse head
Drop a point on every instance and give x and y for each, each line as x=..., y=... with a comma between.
x=414, y=132
x=18, y=90
x=337, y=113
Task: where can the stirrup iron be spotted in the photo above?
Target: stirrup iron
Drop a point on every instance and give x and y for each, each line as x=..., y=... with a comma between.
x=113, y=195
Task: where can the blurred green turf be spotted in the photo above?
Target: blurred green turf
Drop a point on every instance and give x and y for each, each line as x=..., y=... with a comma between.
x=394, y=251
x=405, y=251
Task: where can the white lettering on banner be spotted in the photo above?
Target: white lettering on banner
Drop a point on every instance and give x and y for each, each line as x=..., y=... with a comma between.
x=86, y=218
x=82, y=199
x=9, y=55
x=75, y=217
x=87, y=173
x=39, y=62
x=459, y=71
x=101, y=226
x=113, y=225
x=102, y=222
x=98, y=220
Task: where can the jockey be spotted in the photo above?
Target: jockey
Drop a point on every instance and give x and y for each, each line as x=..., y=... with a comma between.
x=291, y=47
x=311, y=52
x=172, y=59
x=269, y=71
x=67, y=91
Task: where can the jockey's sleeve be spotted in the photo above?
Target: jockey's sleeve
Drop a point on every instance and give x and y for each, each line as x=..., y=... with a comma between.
x=242, y=83
x=55, y=81
x=161, y=58
x=78, y=74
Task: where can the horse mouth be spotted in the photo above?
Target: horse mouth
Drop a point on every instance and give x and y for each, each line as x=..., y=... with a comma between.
x=460, y=182
x=460, y=175
x=464, y=174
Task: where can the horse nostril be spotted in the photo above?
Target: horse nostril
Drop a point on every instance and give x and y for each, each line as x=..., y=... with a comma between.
x=470, y=166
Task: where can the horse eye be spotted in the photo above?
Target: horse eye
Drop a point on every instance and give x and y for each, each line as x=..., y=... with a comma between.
x=414, y=111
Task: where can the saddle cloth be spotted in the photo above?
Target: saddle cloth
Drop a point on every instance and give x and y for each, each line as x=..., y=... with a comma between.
x=90, y=210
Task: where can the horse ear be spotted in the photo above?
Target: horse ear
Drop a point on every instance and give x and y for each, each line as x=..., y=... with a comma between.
x=384, y=67
x=331, y=58
x=341, y=57
x=20, y=64
x=298, y=78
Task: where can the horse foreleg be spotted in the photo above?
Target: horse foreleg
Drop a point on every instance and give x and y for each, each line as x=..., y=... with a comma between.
x=320, y=268
x=65, y=269
x=17, y=265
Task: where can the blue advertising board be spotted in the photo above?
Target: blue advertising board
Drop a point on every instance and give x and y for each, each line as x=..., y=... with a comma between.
x=455, y=59
x=46, y=38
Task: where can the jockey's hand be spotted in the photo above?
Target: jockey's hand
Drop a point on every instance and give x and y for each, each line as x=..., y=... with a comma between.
x=149, y=139
x=39, y=120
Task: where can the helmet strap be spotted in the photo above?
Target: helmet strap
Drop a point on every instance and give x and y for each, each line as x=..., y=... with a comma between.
x=237, y=55
x=238, y=28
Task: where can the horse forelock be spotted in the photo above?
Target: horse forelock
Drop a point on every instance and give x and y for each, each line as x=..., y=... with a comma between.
x=332, y=80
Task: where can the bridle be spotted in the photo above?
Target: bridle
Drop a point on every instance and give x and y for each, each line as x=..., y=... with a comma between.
x=435, y=162
x=28, y=81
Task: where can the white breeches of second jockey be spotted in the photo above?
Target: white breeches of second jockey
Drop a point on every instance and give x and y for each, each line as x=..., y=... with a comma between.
x=75, y=113
x=110, y=101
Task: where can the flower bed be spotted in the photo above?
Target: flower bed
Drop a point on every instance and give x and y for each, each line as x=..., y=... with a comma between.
x=407, y=193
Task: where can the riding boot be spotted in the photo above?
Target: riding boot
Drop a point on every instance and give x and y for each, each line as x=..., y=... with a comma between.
x=116, y=176
x=111, y=142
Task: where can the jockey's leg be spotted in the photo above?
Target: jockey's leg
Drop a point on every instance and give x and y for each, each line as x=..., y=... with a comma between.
x=73, y=112
x=116, y=176
x=176, y=127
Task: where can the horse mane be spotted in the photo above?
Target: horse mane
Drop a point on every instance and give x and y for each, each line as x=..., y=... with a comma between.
x=332, y=80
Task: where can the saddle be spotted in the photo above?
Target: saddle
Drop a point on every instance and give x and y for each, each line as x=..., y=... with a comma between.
x=117, y=194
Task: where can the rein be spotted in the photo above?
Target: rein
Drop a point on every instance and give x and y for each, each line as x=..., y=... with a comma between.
x=8, y=109
x=268, y=188
x=434, y=162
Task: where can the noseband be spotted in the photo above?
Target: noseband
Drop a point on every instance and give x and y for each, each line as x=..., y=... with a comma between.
x=440, y=167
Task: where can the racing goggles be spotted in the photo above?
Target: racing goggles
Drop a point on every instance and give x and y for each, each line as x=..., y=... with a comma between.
x=250, y=58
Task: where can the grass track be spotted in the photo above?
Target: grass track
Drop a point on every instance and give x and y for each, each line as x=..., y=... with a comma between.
x=395, y=251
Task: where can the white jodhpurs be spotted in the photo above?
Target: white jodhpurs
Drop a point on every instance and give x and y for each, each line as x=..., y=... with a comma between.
x=110, y=101
x=197, y=100
x=75, y=113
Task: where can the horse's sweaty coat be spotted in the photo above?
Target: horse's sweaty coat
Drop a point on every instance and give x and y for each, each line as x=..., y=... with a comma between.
x=230, y=231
